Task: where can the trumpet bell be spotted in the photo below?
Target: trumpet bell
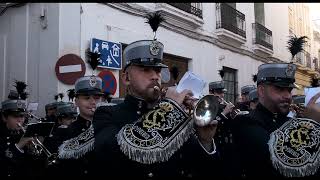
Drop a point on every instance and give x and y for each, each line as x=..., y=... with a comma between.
x=206, y=110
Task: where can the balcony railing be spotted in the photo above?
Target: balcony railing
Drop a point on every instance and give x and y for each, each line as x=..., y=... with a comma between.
x=230, y=19
x=262, y=36
x=192, y=8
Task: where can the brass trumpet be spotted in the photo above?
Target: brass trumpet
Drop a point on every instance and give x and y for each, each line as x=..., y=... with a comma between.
x=39, y=148
x=235, y=112
x=203, y=110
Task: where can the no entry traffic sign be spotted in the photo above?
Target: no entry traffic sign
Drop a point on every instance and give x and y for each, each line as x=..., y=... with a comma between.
x=109, y=82
x=69, y=68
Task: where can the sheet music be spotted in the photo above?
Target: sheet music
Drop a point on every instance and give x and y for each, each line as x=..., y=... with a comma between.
x=32, y=106
x=192, y=82
x=309, y=93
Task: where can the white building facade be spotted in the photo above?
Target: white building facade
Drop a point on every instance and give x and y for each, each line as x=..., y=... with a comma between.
x=199, y=37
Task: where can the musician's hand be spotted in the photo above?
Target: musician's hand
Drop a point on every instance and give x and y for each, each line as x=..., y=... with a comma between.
x=206, y=134
x=178, y=97
x=229, y=107
x=24, y=141
x=312, y=111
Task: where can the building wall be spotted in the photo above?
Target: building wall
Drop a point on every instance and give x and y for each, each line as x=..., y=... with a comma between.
x=300, y=25
x=276, y=20
x=126, y=28
x=28, y=52
x=70, y=26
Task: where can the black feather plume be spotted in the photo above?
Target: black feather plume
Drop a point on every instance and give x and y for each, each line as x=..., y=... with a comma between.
x=295, y=44
x=154, y=20
x=24, y=95
x=61, y=95
x=221, y=73
x=21, y=87
x=315, y=82
x=56, y=97
x=175, y=72
x=71, y=94
x=93, y=59
x=254, y=78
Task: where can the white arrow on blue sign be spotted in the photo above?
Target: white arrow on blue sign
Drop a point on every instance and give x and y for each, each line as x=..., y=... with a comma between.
x=111, y=53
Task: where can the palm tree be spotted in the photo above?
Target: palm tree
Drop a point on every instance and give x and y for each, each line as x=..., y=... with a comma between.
x=295, y=45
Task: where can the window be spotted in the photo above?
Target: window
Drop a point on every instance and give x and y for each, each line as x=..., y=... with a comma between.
x=230, y=19
x=192, y=8
x=178, y=66
x=315, y=61
x=308, y=59
x=231, y=84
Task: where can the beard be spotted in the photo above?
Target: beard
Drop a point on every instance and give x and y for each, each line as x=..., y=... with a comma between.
x=149, y=94
x=283, y=108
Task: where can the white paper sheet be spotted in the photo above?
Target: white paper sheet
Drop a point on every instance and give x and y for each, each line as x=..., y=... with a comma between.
x=32, y=106
x=191, y=82
x=291, y=114
x=309, y=93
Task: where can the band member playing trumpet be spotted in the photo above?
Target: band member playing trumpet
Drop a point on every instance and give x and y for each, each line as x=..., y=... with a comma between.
x=254, y=135
x=18, y=156
x=142, y=78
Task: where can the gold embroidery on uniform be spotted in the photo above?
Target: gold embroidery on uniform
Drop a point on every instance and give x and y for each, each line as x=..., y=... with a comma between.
x=150, y=119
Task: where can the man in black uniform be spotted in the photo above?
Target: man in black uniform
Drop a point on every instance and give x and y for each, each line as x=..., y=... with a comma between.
x=142, y=73
x=17, y=153
x=245, y=101
x=11, y=144
x=253, y=99
x=251, y=132
x=224, y=134
x=66, y=114
x=73, y=156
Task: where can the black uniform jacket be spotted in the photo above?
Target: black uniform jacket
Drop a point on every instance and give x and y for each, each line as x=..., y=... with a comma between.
x=71, y=166
x=251, y=134
x=190, y=160
x=14, y=163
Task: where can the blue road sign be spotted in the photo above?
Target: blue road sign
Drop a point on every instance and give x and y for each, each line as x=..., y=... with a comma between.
x=111, y=53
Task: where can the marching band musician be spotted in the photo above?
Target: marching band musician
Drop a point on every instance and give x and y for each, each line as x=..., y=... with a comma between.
x=254, y=146
x=74, y=152
x=244, y=105
x=66, y=114
x=253, y=98
x=17, y=153
x=142, y=77
x=224, y=135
